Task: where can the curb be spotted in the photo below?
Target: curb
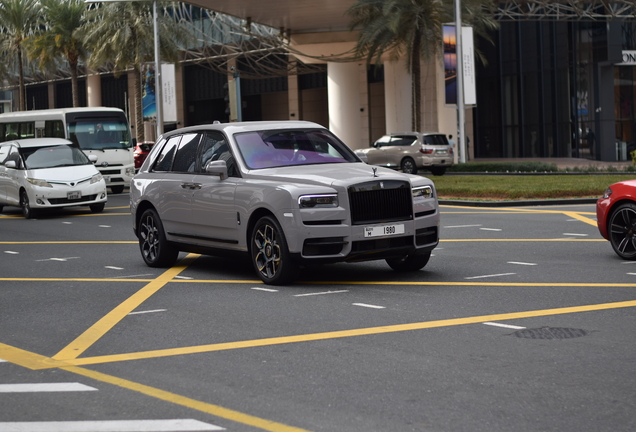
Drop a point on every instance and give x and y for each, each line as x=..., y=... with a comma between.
x=519, y=203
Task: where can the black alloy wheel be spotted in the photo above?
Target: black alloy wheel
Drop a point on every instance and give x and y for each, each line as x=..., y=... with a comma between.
x=408, y=166
x=155, y=249
x=622, y=231
x=409, y=263
x=270, y=254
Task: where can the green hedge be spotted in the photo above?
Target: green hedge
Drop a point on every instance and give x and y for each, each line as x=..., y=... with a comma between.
x=529, y=167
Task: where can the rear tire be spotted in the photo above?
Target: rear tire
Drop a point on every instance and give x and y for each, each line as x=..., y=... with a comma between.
x=155, y=249
x=408, y=166
x=409, y=263
x=438, y=171
x=622, y=231
x=117, y=189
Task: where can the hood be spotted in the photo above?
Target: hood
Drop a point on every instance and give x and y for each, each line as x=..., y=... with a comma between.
x=328, y=174
x=64, y=174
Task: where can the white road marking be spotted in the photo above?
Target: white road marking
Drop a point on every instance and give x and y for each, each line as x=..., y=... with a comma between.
x=521, y=263
x=368, y=306
x=44, y=387
x=110, y=426
x=321, y=293
x=632, y=274
x=490, y=229
x=114, y=268
x=3, y=361
x=574, y=234
x=183, y=277
x=148, y=311
x=67, y=223
x=462, y=226
x=264, y=289
x=104, y=226
x=492, y=275
x=58, y=259
x=11, y=252
x=503, y=325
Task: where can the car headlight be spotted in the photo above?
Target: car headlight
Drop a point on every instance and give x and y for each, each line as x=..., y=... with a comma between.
x=422, y=192
x=318, y=201
x=97, y=178
x=130, y=172
x=37, y=182
x=607, y=193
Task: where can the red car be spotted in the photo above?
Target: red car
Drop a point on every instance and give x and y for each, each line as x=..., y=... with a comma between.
x=616, y=218
x=141, y=152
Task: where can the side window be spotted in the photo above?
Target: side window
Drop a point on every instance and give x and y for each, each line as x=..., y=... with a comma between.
x=186, y=156
x=54, y=129
x=214, y=147
x=14, y=155
x=384, y=141
x=403, y=140
x=164, y=161
x=4, y=153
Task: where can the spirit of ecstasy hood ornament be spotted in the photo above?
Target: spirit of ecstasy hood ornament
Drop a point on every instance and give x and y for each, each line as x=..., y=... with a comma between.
x=374, y=172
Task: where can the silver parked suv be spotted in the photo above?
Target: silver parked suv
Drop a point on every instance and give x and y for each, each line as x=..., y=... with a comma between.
x=286, y=193
x=410, y=151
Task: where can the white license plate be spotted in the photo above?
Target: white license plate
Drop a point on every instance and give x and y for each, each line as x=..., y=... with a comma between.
x=441, y=152
x=73, y=195
x=384, y=230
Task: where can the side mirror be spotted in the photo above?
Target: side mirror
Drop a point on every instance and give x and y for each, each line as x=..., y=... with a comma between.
x=10, y=164
x=92, y=158
x=217, y=167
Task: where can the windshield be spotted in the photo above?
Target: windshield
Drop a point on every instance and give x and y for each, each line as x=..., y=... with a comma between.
x=53, y=156
x=277, y=148
x=100, y=134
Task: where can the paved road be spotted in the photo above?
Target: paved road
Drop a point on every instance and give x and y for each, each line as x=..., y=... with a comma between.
x=523, y=320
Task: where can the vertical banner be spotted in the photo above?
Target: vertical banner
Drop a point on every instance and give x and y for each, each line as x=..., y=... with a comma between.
x=148, y=100
x=148, y=96
x=168, y=94
x=468, y=54
x=450, y=65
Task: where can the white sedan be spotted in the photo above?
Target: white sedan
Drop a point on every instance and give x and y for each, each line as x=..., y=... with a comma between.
x=44, y=173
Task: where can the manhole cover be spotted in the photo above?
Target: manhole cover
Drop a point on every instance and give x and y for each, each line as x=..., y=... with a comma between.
x=550, y=333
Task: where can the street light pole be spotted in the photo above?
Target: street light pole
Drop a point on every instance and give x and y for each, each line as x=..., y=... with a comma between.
x=461, y=112
x=158, y=88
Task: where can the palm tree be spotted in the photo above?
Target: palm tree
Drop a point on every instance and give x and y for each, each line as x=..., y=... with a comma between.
x=411, y=29
x=19, y=19
x=60, y=39
x=122, y=34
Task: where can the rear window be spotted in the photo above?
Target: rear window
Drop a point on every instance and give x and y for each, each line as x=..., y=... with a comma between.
x=435, y=139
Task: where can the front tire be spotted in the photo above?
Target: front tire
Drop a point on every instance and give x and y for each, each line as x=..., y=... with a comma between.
x=409, y=263
x=270, y=254
x=622, y=231
x=27, y=211
x=97, y=208
x=408, y=166
x=155, y=249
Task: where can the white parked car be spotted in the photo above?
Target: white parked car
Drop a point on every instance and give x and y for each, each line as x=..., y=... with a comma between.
x=45, y=173
x=410, y=152
x=285, y=193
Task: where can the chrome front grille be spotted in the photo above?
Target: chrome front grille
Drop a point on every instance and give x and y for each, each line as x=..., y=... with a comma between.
x=380, y=201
